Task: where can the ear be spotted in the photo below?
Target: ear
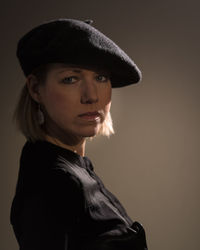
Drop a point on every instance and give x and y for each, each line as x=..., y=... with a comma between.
x=33, y=88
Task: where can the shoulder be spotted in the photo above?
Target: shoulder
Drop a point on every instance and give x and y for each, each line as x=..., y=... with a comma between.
x=44, y=166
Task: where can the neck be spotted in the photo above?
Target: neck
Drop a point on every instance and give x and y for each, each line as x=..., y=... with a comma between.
x=78, y=147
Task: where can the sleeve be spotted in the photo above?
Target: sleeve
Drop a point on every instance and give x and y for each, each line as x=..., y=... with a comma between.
x=49, y=219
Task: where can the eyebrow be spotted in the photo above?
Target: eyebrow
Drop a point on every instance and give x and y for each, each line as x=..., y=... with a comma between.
x=98, y=71
x=69, y=69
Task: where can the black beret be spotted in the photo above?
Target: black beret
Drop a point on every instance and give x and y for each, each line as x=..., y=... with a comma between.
x=77, y=43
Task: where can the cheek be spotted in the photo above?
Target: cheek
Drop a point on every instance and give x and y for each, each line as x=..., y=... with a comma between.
x=57, y=102
x=106, y=98
x=109, y=96
x=54, y=101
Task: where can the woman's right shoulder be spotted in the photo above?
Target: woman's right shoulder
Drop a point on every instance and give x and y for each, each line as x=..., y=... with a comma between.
x=41, y=164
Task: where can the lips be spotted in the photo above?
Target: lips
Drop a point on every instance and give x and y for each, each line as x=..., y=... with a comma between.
x=90, y=115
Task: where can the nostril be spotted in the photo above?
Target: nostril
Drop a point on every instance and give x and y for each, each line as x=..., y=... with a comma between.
x=89, y=100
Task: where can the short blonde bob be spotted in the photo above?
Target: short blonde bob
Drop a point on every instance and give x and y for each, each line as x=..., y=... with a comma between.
x=26, y=112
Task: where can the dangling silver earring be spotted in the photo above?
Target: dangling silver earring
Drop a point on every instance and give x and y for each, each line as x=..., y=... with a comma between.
x=40, y=115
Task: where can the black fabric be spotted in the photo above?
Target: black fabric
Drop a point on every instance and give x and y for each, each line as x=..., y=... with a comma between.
x=76, y=43
x=61, y=204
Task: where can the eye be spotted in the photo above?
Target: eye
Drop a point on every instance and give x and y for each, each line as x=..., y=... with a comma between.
x=69, y=80
x=102, y=78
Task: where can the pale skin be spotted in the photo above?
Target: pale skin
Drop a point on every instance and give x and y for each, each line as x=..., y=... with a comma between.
x=75, y=102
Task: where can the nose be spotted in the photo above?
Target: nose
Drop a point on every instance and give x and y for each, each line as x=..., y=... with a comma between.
x=89, y=92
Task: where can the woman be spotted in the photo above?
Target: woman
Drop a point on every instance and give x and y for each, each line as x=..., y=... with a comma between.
x=60, y=203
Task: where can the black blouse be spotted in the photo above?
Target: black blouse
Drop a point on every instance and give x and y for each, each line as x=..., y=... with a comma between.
x=61, y=204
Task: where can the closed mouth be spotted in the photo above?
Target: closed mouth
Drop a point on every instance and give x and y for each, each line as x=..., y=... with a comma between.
x=91, y=116
x=95, y=113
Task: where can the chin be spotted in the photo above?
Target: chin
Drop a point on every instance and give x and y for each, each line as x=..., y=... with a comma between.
x=90, y=132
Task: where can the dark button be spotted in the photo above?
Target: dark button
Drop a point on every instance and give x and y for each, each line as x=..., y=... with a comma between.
x=136, y=226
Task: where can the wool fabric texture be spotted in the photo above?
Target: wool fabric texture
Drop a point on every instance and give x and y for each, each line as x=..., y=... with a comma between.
x=76, y=43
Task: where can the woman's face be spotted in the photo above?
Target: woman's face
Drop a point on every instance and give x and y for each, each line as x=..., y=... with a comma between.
x=76, y=100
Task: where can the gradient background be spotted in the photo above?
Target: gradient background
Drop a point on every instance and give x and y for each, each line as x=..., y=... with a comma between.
x=152, y=162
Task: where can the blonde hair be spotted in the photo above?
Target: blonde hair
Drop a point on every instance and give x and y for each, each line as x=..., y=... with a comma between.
x=26, y=113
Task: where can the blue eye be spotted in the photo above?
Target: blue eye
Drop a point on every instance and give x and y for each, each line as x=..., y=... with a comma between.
x=69, y=80
x=102, y=78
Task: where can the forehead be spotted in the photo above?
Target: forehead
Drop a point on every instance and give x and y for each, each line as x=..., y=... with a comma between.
x=60, y=68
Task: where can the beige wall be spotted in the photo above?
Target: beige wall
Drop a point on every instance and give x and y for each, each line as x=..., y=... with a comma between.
x=152, y=163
